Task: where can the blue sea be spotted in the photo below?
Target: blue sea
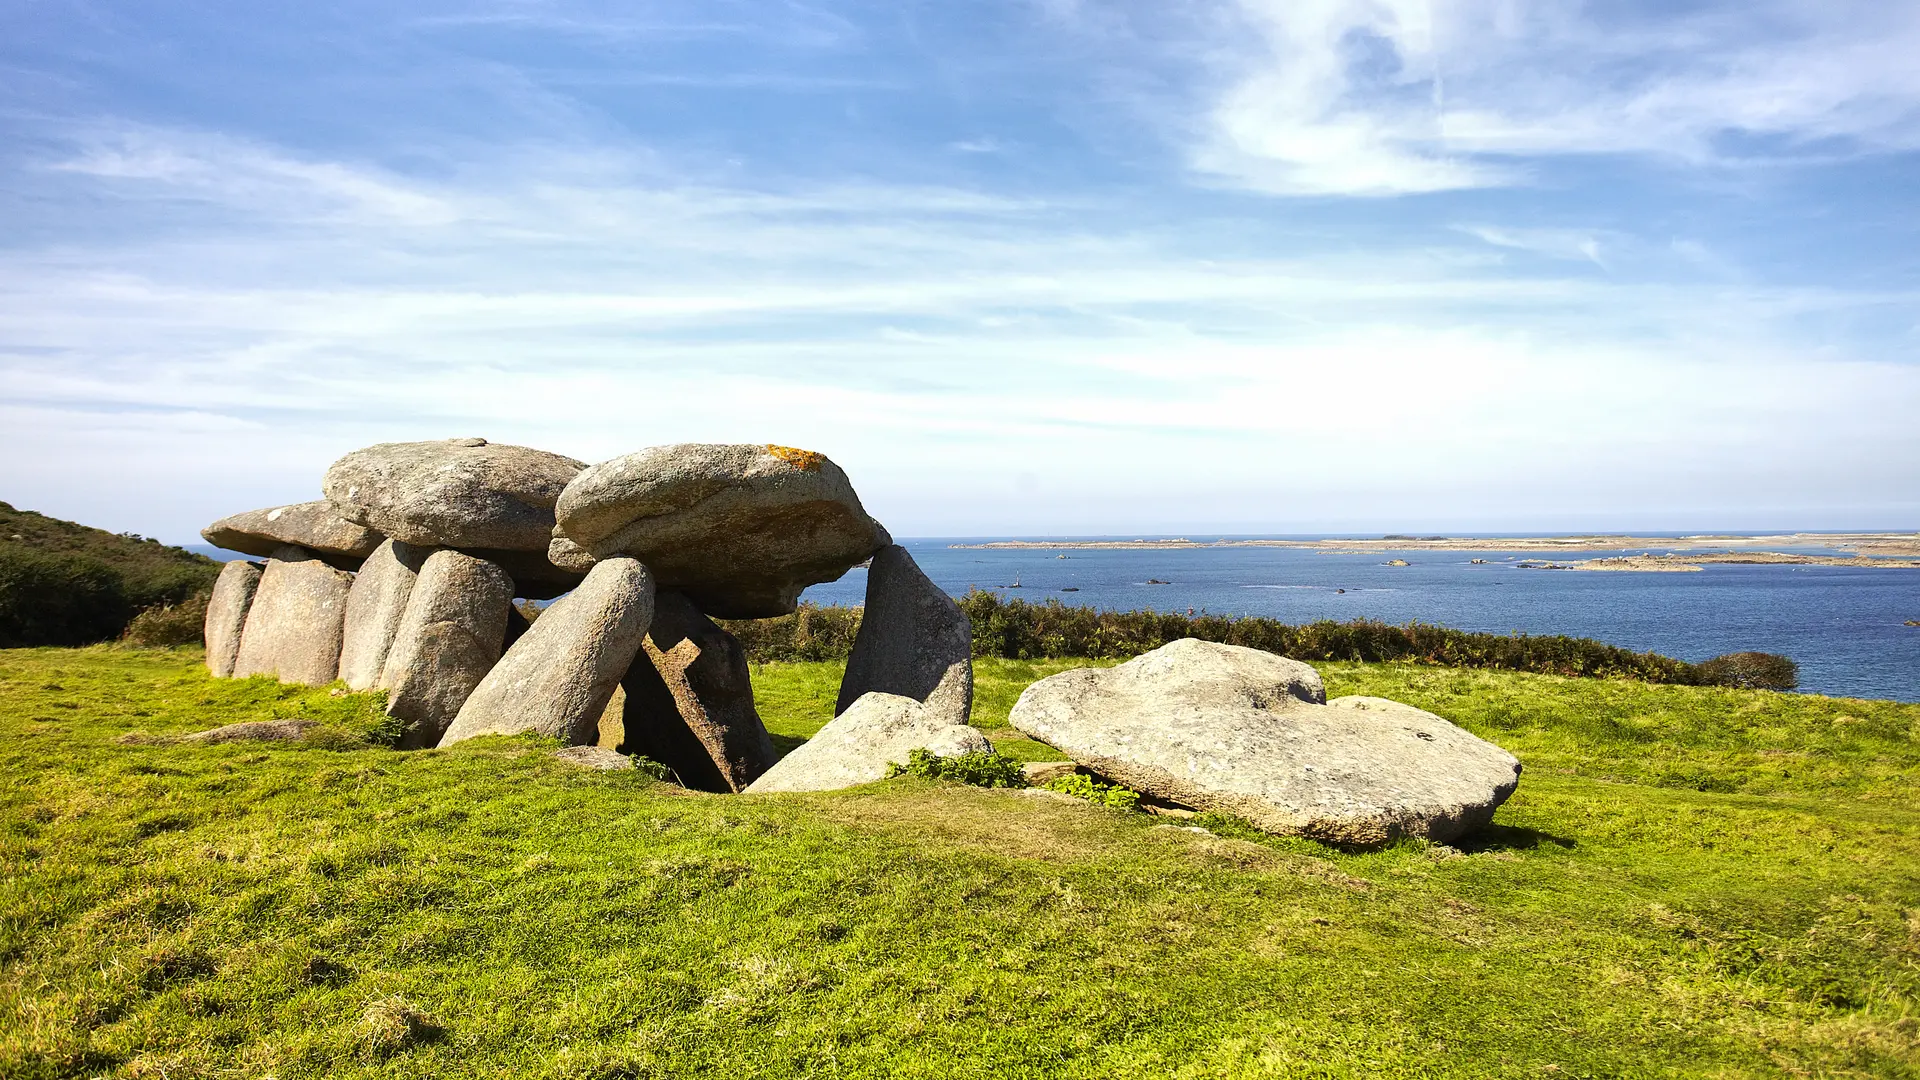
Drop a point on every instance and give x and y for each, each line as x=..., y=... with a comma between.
x=1842, y=624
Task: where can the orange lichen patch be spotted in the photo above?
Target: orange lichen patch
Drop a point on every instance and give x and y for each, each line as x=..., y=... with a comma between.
x=804, y=460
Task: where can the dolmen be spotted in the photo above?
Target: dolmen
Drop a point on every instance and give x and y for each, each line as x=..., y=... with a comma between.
x=404, y=577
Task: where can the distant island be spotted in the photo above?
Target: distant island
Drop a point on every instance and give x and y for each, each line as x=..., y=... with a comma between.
x=1875, y=550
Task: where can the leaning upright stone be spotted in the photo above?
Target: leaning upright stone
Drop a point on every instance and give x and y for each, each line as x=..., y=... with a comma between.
x=311, y=525
x=227, y=614
x=914, y=641
x=446, y=643
x=557, y=678
x=293, y=628
x=740, y=529
x=375, y=606
x=689, y=702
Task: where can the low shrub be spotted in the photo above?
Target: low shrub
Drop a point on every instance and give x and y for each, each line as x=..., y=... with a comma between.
x=977, y=767
x=1081, y=786
x=812, y=633
x=1749, y=671
x=49, y=598
x=165, y=625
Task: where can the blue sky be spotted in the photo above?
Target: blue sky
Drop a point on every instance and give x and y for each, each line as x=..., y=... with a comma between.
x=1034, y=266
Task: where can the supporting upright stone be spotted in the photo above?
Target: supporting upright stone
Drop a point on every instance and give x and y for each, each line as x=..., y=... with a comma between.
x=689, y=701
x=227, y=614
x=557, y=678
x=294, y=627
x=446, y=643
x=375, y=606
x=914, y=641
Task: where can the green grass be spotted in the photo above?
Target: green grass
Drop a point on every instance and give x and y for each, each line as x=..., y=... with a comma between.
x=329, y=908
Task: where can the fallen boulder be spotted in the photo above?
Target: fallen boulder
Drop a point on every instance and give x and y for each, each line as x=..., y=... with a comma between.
x=1220, y=727
x=458, y=493
x=233, y=594
x=293, y=629
x=315, y=526
x=913, y=641
x=857, y=746
x=689, y=702
x=594, y=757
x=741, y=529
x=557, y=678
x=448, y=640
x=375, y=605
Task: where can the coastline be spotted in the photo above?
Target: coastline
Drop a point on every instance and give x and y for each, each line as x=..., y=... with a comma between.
x=1869, y=549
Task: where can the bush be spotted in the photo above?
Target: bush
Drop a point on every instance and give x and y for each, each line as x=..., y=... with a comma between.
x=1749, y=671
x=810, y=634
x=169, y=624
x=57, y=599
x=1085, y=787
x=980, y=768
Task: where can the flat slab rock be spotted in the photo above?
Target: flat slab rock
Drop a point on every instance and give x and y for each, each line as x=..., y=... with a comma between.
x=594, y=757
x=460, y=493
x=256, y=731
x=857, y=746
x=741, y=529
x=314, y=526
x=1220, y=727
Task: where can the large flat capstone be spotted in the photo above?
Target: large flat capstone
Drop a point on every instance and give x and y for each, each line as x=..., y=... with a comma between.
x=913, y=641
x=293, y=628
x=741, y=529
x=227, y=615
x=315, y=526
x=557, y=677
x=1220, y=727
x=459, y=493
x=857, y=746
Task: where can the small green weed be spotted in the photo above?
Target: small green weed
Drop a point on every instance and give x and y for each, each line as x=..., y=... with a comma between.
x=977, y=767
x=1086, y=787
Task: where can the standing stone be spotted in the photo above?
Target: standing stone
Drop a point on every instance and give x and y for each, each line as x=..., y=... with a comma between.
x=1220, y=727
x=914, y=641
x=446, y=643
x=227, y=614
x=741, y=529
x=689, y=701
x=311, y=525
x=294, y=627
x=458, y=493
x=557, y=678
x=375, y=606
x=857, y=746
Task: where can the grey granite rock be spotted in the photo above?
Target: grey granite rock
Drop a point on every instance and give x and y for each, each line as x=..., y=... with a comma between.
x=689, y=702
x=557, y=678
x=446, y=643
x=857, y=746
x=315, y=526
x=914, y=641
x=741, y=529
x=594, y=757
x=1219, y=727
x=227, y=608
x=287, y=730
x=458, y=493
x=294, y=627
x=375, y=605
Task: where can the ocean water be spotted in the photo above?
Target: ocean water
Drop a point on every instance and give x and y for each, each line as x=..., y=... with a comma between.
x=1841, y=624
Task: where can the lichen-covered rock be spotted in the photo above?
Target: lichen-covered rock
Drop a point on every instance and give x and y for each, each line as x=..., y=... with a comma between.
x=594, y=757
x=227, y=608
x=293, y=629
x=1219, y=727
x=375, y=606
x=458, y=493
x=913, y=641
x=447, y=642
x=857, y=746
x=689, y=702
x=285, y=730
x=557, y=678
x=740, y=529
x=315, y=526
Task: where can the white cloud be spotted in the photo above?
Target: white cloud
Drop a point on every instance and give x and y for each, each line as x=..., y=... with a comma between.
x=1392, y=97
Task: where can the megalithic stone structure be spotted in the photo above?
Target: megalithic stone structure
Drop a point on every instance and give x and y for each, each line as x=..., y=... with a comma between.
x=446, y=644
x=294, y=627
x=914, y=641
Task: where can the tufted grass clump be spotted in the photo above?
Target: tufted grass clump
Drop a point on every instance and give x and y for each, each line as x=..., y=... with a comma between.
x=979, y=768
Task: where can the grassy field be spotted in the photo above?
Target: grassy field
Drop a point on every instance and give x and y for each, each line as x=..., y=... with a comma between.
x=1690, y=882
